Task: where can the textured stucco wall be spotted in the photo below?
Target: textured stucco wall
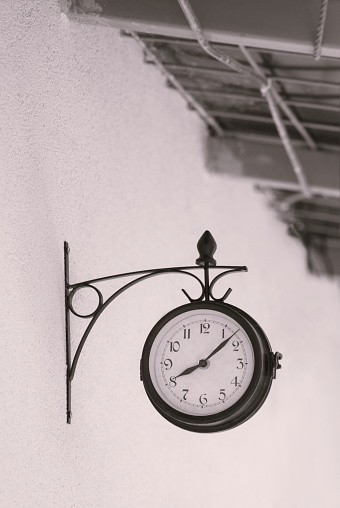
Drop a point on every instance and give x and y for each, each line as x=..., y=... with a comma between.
x=97, y=151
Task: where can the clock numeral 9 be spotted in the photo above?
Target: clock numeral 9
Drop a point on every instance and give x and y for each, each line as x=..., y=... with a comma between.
x=172, y=383
x=235, y=344
x=167, y=364
x=203, y=399
x=174, y=346
x=204, y=328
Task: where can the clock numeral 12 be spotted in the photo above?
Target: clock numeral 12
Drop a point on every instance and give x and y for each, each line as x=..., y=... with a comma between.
x=204, y=328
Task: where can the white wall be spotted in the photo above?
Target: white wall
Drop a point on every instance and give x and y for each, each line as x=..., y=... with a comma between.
x=97, y=151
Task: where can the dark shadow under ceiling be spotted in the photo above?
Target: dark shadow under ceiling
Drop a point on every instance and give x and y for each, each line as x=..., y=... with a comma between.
x=230, y=101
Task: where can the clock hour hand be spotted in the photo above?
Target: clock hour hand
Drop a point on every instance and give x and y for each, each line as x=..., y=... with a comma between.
x=220, y=346
x=187, y=371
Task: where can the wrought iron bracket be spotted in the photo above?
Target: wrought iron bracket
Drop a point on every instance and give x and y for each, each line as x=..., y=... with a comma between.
x=206, y=247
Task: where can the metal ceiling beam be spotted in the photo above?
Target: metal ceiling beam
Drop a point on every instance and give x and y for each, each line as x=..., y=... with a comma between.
x=313, y=105
x=308, y=82
x=263, y=183
x=267, y=164
x=197, y=69
x=254, y=98
x=192, y=43
x=316, y=215
x=268, y=119
x=270, y=25
x=322, y=230
x=273, y=140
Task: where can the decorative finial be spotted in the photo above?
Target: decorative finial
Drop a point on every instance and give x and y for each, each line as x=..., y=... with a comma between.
x=206, y=247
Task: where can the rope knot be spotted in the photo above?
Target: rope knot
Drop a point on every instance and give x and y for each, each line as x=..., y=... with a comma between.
x=266, y=87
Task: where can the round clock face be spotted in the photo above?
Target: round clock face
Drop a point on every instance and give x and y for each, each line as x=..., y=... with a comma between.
x=201, y=362
x=204, y=364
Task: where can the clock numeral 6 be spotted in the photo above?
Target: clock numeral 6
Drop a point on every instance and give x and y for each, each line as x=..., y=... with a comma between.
x=167, y=364
x=174, y=346
x=172, y=383
x=203, y=399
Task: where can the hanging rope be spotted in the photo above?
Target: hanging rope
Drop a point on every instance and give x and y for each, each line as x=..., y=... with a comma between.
x=211, y=50
x=320, y=30
x=264, y=84
x=283, y=105
x=176, y=84
x=291, y=153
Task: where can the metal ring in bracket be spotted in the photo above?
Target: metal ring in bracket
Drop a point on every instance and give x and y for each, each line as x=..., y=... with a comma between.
x=74, y=291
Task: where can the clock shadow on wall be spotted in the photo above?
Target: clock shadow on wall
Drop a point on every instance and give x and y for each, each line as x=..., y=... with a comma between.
x=206, y=366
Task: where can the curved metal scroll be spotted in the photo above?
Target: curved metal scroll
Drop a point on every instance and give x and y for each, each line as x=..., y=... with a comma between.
x=206, y=247
x=105, y=304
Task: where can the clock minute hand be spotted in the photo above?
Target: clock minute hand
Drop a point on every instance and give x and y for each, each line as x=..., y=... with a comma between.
x=220, y=346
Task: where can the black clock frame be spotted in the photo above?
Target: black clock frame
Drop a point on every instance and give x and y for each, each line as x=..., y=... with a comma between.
x=265, y=364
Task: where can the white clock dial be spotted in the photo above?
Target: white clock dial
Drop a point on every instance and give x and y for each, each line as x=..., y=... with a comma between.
x=201, y=362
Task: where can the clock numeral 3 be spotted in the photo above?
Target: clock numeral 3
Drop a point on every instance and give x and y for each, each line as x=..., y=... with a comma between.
x=241, y=364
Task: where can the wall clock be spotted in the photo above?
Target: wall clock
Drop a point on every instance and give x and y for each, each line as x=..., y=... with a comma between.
x=206, y=366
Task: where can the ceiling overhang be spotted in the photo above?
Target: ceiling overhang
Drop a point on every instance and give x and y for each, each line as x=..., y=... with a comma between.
x=273, y=25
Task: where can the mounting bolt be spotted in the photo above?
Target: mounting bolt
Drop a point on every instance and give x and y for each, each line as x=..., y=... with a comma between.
x=276, y=365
